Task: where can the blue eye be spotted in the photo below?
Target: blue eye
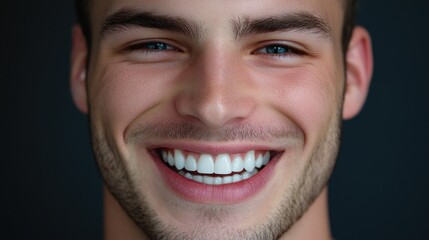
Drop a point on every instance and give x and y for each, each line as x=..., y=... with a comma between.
x=277, y=49
x=151, y=47
x=156, y=46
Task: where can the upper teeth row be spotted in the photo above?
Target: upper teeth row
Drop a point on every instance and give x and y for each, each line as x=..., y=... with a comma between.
x=220, y=164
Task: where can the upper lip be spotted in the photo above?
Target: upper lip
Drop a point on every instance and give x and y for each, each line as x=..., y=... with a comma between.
x=215, y=148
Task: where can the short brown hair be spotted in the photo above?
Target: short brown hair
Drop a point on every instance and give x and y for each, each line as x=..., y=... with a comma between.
x=350, y=11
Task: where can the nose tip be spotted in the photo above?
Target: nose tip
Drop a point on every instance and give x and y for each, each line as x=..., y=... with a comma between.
x=215, y=108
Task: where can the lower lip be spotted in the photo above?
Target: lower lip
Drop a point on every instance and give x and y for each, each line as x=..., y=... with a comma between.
x=226, y=194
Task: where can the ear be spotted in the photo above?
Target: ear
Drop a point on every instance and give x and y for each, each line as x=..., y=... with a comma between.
x=359, y=66
x=79, y=55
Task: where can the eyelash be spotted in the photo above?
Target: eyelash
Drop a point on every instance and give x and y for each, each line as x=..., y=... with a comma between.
x=289, y=51
x=143, y=46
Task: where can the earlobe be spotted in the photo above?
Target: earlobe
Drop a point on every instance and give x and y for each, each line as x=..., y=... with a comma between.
x=78, y=76
x=359, y=67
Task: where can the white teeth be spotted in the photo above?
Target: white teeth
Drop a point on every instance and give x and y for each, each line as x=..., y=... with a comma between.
x=245, y=175
x=217, y=180
x=220, y=180
x=191, y=163
x=205, y=164
x=237, y=164
x=208, y=180
x=249, y=161
x=197, y=178
x=266, y=158
x=227, y=180
x=259, y=161
x=188, y=176
x=164, y=156
x=170, y=159
x=236, y=178
x=222, y=164
x=180, y=159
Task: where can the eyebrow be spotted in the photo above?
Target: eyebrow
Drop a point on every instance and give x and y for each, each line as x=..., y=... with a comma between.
x=302, y=21
x=125, y=19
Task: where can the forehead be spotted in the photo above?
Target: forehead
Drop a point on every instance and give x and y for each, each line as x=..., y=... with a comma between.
x=218, y=13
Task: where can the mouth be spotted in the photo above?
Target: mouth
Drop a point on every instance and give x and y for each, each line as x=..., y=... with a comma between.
x=211, y=175
x=216, y=169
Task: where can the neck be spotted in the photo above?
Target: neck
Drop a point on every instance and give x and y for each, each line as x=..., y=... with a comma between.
x=313, y=224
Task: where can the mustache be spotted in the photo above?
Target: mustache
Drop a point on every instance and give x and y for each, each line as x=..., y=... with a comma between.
x=189, y=131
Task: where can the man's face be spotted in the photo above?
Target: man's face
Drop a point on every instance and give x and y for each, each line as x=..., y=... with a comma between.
x=216, y=119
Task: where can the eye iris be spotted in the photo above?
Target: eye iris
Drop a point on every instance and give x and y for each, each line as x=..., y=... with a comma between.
x=277, y=49
x=156, y=46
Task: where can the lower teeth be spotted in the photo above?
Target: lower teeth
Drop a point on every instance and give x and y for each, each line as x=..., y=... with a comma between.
x=217, y=180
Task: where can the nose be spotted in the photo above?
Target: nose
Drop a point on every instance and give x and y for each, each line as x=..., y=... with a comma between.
x=217, y=91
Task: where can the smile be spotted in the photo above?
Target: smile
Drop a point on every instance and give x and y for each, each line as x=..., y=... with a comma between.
x=219, y=169
x=206, y=174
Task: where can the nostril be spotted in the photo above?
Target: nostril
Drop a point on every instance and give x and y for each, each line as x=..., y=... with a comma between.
x=215, y=111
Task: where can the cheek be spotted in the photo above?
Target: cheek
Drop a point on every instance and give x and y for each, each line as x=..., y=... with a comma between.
x=308, y=96
x=123, y=92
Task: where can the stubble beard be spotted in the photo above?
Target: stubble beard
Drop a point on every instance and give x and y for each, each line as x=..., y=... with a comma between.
x=301, y=194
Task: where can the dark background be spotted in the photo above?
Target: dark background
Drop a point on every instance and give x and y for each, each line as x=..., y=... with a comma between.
x=50, y=187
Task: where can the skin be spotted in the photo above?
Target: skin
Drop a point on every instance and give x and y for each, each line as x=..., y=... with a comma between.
x=216, y=84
